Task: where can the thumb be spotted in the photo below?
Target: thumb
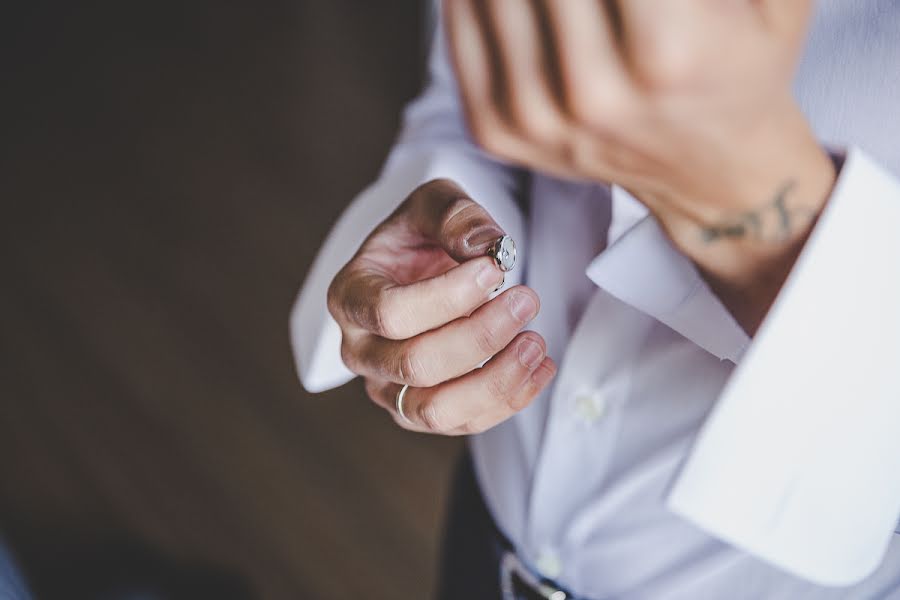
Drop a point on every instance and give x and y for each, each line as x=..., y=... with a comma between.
x=445, y=214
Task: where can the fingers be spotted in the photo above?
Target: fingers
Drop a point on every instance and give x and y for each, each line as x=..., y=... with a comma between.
x=445, y=214
x=371, y=301
x=475, y=73
x=437, y=215
x=506, y=99
x=593, y=79
x=595, y=91
x=479, y=400
x=529, y=73
x=390, y=287
x=447, y=352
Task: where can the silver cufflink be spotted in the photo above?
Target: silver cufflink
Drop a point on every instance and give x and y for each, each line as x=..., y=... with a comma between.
x=503, y=251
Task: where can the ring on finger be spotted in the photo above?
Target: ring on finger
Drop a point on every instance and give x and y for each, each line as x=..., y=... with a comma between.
x=398, y=404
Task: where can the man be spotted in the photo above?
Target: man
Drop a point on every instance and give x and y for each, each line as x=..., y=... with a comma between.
x=719, y=418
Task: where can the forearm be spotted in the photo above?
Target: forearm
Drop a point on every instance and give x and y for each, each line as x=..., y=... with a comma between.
x=777, y=183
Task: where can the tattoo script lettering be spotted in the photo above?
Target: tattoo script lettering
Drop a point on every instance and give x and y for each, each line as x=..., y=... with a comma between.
x=775, y=221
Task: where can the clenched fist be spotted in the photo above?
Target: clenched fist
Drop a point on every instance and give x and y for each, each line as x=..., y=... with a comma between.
x=413, y=306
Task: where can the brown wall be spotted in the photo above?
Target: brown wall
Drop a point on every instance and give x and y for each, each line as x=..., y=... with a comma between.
x=167, y=170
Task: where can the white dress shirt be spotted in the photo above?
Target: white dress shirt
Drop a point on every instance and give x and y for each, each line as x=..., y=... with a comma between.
x=673, y=457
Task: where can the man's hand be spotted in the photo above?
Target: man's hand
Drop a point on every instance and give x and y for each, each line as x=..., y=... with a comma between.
x=685, y=103
x=413, y=309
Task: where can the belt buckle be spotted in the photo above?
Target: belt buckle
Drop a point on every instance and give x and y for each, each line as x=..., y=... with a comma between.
x=510, y=566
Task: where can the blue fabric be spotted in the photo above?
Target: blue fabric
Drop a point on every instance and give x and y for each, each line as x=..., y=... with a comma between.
x=12, y=582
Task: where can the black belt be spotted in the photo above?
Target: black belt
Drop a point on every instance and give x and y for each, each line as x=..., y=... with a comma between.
x=478, y=556
x=518, y=581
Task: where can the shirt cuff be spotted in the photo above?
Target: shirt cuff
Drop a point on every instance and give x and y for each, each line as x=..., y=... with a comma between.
x=315, y=336
x=799, y=462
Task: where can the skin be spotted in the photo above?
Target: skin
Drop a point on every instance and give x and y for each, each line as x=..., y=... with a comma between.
x=413, y=306
x=685, y=103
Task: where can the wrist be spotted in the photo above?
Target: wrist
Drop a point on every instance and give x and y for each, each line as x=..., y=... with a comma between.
x=763, y=199
x=759, y=214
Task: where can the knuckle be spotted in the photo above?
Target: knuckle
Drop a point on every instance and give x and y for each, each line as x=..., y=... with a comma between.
x=405, y=369
x=386, y=319
x=664, y=65
x=536, y=121
x=602, y=108
x=348, y=355
x=413, y=369
x=487, y=339
x=334, y=299
x=427, y=415
x=350, y=298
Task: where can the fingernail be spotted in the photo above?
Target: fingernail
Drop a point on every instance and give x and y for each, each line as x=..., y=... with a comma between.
x=542, y=376
x=522, y=306
x=488, y=276
x=530, y=354
x=483, y=237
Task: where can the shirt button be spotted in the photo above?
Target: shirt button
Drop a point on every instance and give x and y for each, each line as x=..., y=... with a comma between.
x=548, y=563
x=590, y=406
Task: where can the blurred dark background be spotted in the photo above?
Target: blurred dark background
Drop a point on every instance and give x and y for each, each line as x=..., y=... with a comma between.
x=167, y=171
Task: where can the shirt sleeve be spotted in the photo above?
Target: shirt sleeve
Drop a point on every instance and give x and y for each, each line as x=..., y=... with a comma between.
x=799, y=462
x=433, y=143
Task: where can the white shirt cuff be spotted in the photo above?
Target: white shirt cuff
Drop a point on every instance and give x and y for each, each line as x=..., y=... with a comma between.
x=799, y=462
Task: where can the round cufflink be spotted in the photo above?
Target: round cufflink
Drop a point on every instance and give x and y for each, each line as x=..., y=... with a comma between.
x=503, y=252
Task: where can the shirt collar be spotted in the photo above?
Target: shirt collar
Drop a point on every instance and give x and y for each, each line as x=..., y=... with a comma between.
x=641, y=268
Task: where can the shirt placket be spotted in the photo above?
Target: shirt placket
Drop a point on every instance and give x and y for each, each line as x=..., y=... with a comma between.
x=583, y=421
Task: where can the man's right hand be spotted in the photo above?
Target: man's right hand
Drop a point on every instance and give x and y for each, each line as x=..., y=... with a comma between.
x=413, y=308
